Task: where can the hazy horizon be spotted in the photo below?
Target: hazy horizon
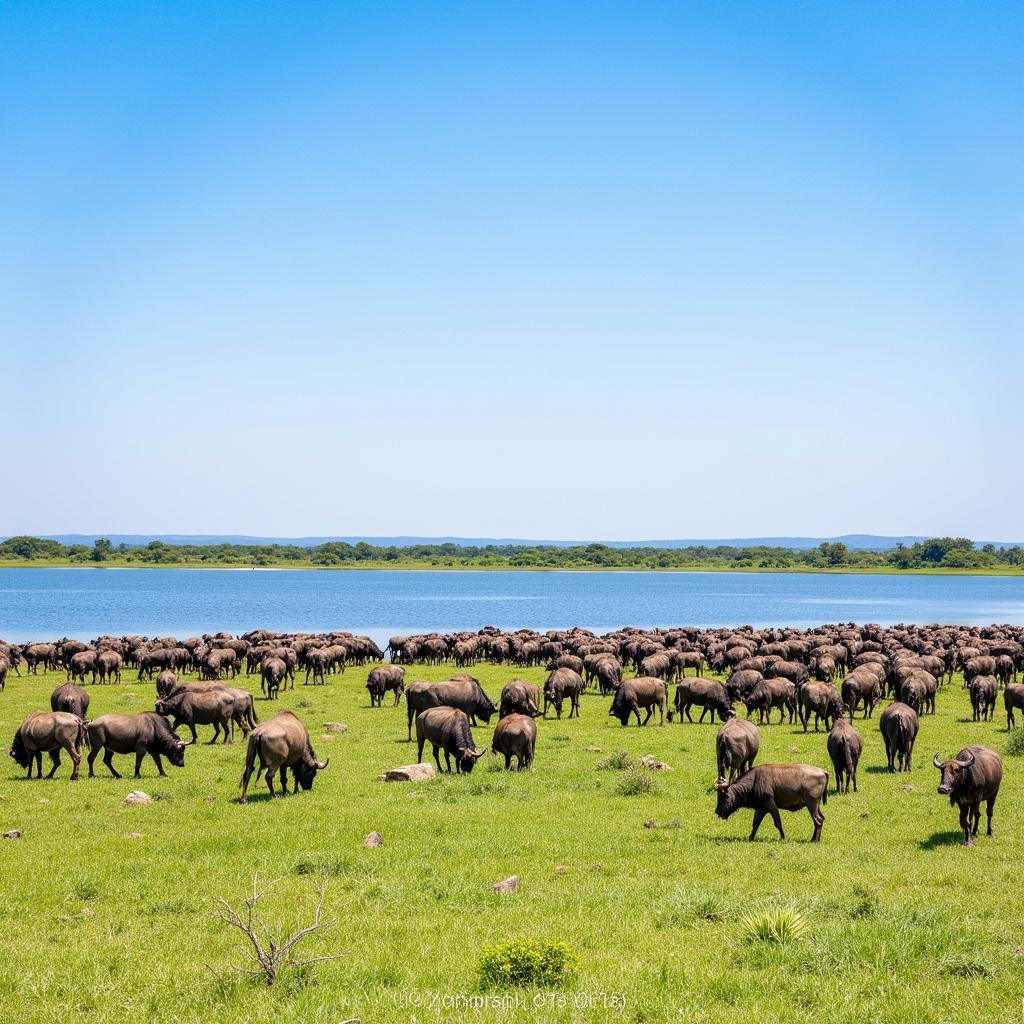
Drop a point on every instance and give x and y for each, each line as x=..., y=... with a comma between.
x=561, y=270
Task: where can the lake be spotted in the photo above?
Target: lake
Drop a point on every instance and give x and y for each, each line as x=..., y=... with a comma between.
x=83, y=603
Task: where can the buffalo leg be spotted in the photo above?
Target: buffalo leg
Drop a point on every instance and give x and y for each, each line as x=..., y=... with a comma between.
x=159, y=763
x=270, y=784
x=777, y=818
x=758, y=818
x=108, y=760
x=989, y=808
x=965, y=824
x=419, y=755
x=818, y=818
x=55, y=758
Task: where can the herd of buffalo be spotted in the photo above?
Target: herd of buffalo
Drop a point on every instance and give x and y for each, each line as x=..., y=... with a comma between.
x=823, y=676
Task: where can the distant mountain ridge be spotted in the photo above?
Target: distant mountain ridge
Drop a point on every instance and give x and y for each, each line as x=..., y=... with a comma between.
x=853, y=541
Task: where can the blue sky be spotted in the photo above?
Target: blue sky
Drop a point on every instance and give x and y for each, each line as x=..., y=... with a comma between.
x=550, y=270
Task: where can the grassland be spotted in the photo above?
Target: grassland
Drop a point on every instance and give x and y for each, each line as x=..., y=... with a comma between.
x=904, y=923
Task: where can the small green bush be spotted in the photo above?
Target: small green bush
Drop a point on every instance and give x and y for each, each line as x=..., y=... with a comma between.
x=777, y=926
x=526, y=962
x=1015, y=743
x=618, y=762
x=634, y=783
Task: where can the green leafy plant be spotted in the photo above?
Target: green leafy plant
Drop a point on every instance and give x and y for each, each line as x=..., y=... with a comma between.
x=1015, y=743
x=777, y=925
x=618, y=762
x=526, y=962
x=634, y=783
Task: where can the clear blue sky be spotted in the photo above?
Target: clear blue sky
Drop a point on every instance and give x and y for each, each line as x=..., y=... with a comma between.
x=541, y=270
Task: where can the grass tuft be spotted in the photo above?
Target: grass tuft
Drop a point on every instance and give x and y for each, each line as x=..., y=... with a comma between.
x=775, y=926
x=1015, y=743
x=616, y=762
x=526, y=962
x=634, y=783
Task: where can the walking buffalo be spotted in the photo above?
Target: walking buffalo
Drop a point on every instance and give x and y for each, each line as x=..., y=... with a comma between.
x=464, y=693
x=736, y=746
x=382, y=679
x=1013, y=697
x=968, y=779
x=71, y=698
x=49, y=732
x=645, y=692
x=769, y=788
x=983, y=691
x=821, y=700
x=708, y=694
x=562, y=683
x=142, y=733
x=515, y=736
x=844, y=748
x=898, y=725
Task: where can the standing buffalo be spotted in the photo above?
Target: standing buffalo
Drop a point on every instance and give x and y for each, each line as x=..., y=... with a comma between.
x=844, y=747
x=898, y=725
x=515, y=736
x=821, y=700
x=519, y=697
x=769, y=788
x=464, y=693
x=645, y=692
x=983, y=691
x=972, y=776
x=769, y=694
x=216, y=705
x=142, y=733
x=562, y=683
x=447, y=729
x=736, y=746
x=71, y=698
x=280, y=743
x=49, y=732
x=708, y=694
x=382, y=679
x=273, y=673
x=1013, y=697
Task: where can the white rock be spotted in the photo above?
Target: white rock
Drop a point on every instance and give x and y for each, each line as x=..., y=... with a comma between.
x=410, y=773
x=136, y=796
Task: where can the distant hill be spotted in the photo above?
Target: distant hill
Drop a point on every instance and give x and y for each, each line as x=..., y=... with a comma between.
x=854, y=541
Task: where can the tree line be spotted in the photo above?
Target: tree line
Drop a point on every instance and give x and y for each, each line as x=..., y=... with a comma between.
x=935, y=553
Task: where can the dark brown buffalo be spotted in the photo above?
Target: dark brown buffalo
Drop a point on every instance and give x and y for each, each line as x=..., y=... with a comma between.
x=982, y=665
x=515, y=736
x=81, y=665
x=821, y=700
x=71, y=698
x=983, y=691
x=1013, y=697
x=382, y=679
x=273, y=673
x=844, y=748
x=972, y=776
x=447, y=729
x=769, y=788
x=219, y=706
x=770, y=694
x=742, y=681
x=862, y=686
x=166, y=682
x=645, y=692
x=519, y=697
x=464, y=693
x=562, y=683
x=280, y=743
x=49, y=732
x=898, y=725
x=707, y=694
x=736, y=746
x=108, y=666
x=142, y=733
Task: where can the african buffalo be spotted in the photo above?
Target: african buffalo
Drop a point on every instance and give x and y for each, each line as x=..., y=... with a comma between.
x=562, y=683
x=142, y=733
x=844, y=748
x=708, y=694
x=972, y=776
x=382, y=679
x=49, y=732
x=769, y=788
x=821, y=700
x=280, y=743
x=645, y=692
x=219, y=706
x=983, y=691
x=464, y=693
x=862, y=686
x=519, y=697
x=736, y=746
x=515, y=736
x=769, y=694
x=273, y=673
x=71, y=698
x=898, y=725
x=447, y=729
x=1013, y=697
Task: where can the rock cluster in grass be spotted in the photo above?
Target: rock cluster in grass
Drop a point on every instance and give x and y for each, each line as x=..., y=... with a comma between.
x=136, y=796
x=652, y=764
x=509, y=884
x=373, y=839
x=410, y=773
x=335, y=726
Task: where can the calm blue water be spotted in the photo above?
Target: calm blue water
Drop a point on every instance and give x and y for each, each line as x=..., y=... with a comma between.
x=47, y=603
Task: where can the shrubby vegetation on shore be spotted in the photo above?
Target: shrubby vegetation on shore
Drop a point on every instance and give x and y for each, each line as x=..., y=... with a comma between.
x=940, y=553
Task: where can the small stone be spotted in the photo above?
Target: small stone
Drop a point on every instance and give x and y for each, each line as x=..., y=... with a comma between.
x=509, y=884
x=136, y=796
x=42, y=800
x=373, y=839
x=335, y=727
x=596, y=867
x=211, y=799
x=134, y=835
x=652, y=764
x=87, y=912
x=562, y=869
x=593, y=750
x=410, y=773
x=908, y=789
x=650, y=823
x=15, y=833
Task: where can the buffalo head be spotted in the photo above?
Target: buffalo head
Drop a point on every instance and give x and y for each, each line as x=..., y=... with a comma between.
x=468, y=756
x=726, y=804
x=176, y=753
x=305, y=771
x=950, y=770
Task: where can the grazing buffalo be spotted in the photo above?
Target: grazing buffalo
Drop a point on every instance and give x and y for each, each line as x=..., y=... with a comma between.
x=49, y=732
x=844, y=747
x=769, y=788
x=280, y=743
x=898, y=725
x=515, y=736
x=742, y=681
x=562, y=683
x=166, y=683
x=464, y=693
x=382, y=679
x=142, y=733
x=71, y=698
x=519, y=697
x=1013, y=697
x=81, y=665
x=708, y=694
x=862, y=686
x=646, y=692
x=216, y=705
x=273, y=673
x=983, y=691
x=972, y=776
x=736, y=746
x=447, y=729
x=770, y=694
x=108, y=666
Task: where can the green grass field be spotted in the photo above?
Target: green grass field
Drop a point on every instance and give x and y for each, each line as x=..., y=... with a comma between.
x=904, y=924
